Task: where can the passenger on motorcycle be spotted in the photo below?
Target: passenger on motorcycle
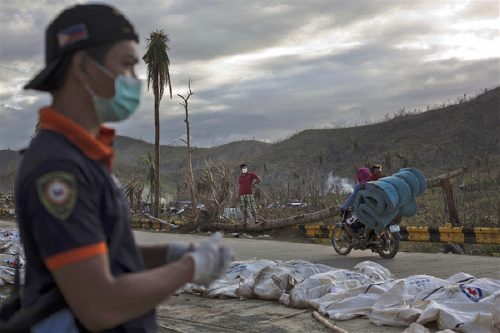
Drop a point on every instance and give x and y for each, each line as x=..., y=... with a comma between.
x=353, y=223
x=376, y=173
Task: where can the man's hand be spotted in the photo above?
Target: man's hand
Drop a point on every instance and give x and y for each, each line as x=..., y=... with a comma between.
x=343, y=211
x=176, y=251
x=211, y=260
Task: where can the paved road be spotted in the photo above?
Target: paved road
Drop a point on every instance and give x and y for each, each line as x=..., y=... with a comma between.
x=191, y=313
x=403, y=265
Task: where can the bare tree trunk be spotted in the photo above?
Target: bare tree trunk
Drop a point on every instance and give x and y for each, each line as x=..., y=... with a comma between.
x=12, y=191
x=450, y=202
x=191, y=177
x=190, y=151
x=156, y=200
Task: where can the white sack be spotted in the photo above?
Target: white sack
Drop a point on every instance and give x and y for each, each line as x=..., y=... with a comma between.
x=376, y=271
x=318, y=285
x=390, y=308
x=465, y=316
x=10, y=246
x=473, y=291
x=367, y=295
x=229, y=283
x=271, y=282
x=416, y=328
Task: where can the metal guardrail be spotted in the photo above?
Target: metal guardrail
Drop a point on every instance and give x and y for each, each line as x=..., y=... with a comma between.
x=149, y=223
x=410, y=234
x=444, y=234
x=451, y=234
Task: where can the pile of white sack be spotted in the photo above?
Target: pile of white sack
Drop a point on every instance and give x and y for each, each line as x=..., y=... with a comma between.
x=461, y=303
x=10, y=247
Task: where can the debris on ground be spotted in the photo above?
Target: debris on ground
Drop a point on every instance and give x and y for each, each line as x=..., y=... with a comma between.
x=451, y=248
x=327, y=323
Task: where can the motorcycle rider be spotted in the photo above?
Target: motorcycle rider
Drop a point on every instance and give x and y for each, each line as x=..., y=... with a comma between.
x=353, y=223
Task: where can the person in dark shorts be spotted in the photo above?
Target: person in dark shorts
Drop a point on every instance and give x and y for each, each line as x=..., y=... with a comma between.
x=70, y=205
x=246, y=186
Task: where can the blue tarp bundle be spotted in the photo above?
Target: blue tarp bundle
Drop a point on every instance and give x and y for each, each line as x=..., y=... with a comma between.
x=387, y=197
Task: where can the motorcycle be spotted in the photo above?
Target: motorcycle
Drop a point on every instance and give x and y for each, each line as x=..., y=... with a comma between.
x=385, y=242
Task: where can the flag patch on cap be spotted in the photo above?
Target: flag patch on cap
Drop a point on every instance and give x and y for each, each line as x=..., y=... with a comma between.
x=72, y=35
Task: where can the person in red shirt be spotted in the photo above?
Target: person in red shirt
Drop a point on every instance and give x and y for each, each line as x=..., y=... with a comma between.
x=376, y=173
x=246, y=193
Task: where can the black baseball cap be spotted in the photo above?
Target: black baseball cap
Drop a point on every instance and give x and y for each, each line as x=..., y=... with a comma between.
x=78, y=28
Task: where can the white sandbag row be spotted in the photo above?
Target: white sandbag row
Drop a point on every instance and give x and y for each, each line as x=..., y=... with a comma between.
x=10, y=247
x=273, y=280
x=461, y=302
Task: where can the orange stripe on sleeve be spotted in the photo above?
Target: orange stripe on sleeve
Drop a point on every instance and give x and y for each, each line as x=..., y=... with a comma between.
x=75, y=255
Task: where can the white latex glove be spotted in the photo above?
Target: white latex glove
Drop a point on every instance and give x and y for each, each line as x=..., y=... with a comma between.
x=211, y=260
x=176, y=251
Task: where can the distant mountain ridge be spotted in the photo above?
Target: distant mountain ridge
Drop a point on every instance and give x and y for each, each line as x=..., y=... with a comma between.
x=435, y=141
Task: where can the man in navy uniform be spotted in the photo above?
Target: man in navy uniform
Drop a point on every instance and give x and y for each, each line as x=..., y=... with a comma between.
x=68, y=202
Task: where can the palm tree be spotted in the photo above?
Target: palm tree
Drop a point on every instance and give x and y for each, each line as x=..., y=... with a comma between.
x=157, y=61
x=148, y=160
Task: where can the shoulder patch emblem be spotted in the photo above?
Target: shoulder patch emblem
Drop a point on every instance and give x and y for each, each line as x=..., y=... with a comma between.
x=58, y=193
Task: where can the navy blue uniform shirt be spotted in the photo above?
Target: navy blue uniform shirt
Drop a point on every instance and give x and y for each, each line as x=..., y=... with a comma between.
x=68, y=205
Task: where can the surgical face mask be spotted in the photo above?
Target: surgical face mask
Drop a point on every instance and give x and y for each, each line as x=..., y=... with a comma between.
x=244, y=170
x=125, y=101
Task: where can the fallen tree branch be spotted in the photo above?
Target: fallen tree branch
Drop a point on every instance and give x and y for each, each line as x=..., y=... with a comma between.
x=436, y=181
x=327, y=323
x=280, y=223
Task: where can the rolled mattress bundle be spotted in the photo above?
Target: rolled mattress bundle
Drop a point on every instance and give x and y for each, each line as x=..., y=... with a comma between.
x=382, y=200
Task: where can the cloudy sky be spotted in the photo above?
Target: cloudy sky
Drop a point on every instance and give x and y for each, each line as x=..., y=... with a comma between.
x=267, y=69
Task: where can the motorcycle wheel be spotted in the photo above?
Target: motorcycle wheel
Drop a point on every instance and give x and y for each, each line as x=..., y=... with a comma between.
x=341, y=241
x=389, y=245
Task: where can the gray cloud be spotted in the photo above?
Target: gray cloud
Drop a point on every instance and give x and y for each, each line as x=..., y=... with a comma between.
x=267, y=69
